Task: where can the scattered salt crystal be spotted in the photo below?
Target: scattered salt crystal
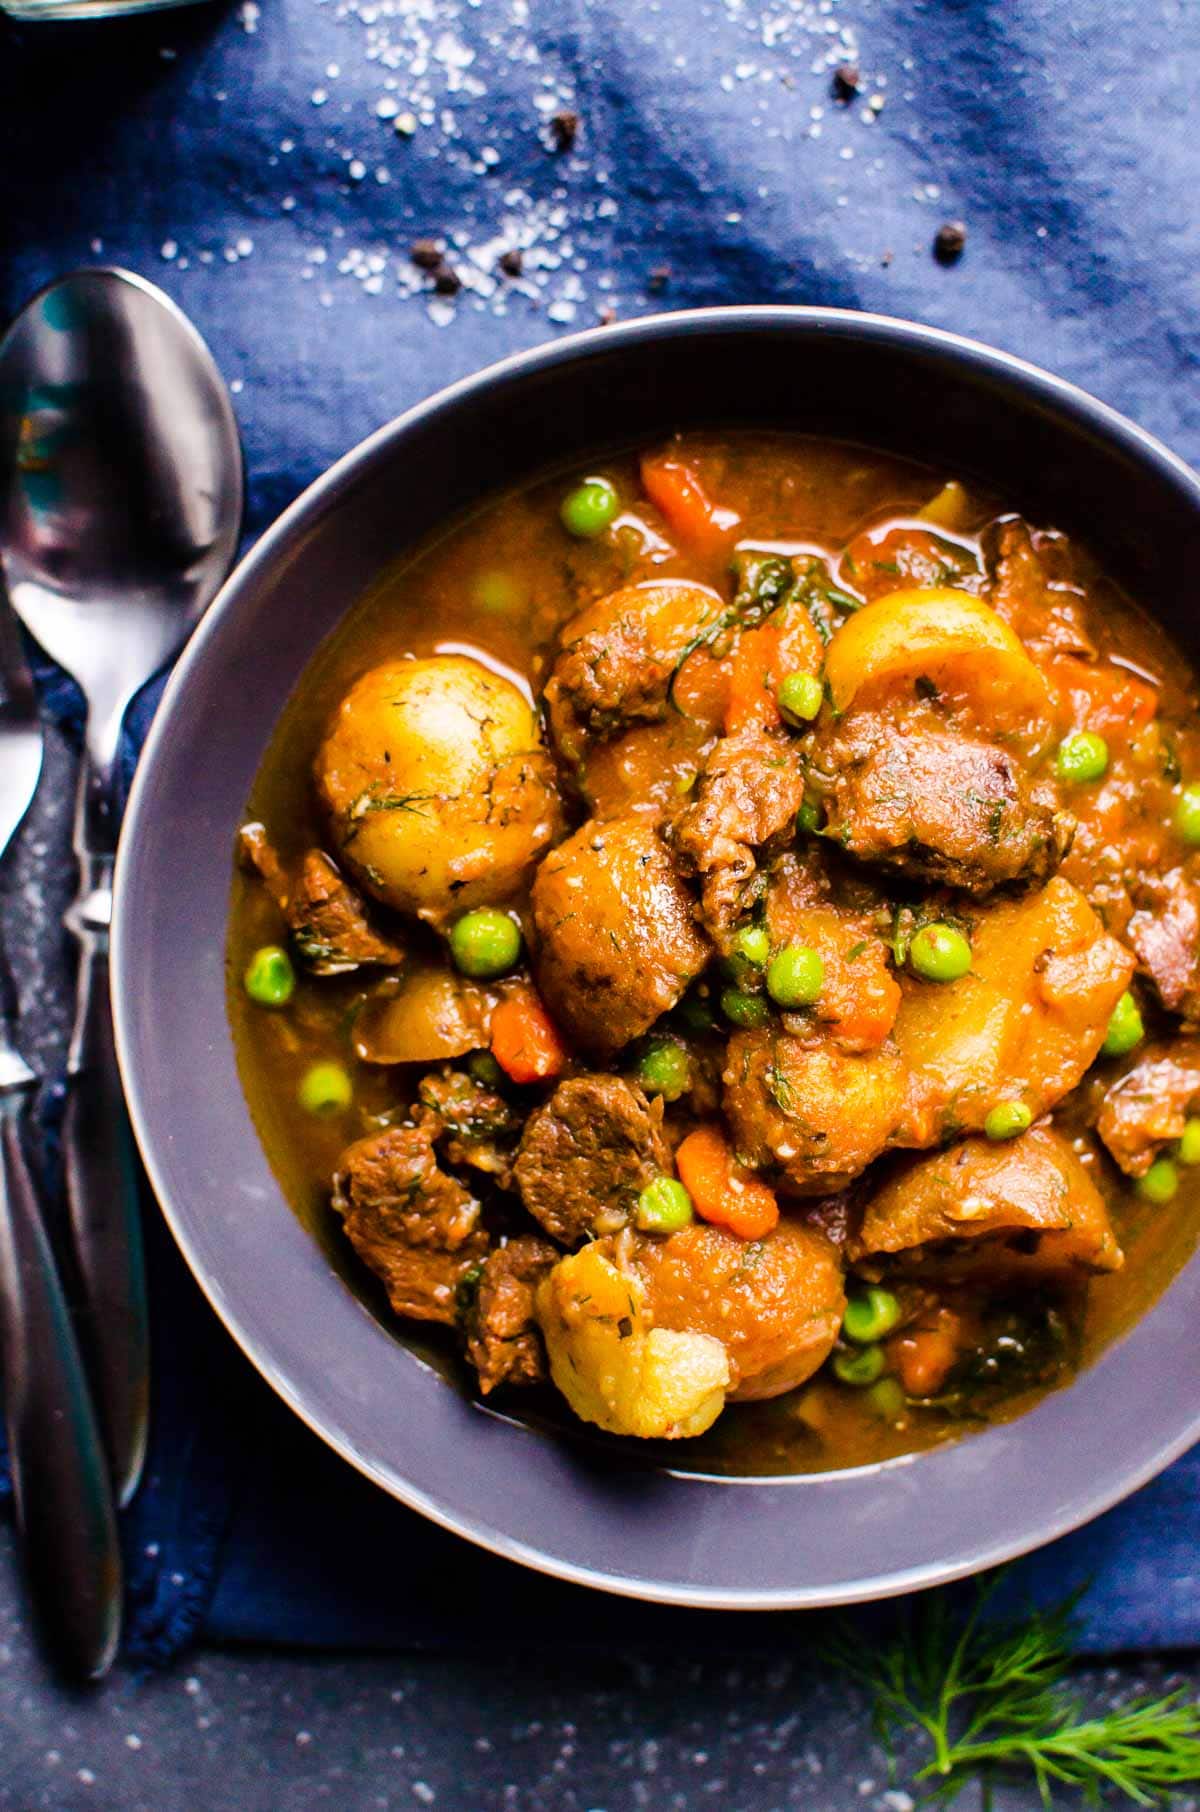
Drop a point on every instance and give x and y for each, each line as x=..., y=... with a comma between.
x=244, y=246
x=169, y=249
x=387, y=107
x=132, y=1741
x=249, y=13
x=319, y=97
x=357, y=169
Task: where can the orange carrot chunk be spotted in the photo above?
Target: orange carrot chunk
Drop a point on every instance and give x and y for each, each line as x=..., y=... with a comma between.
x=676, y=492
x=722, y=1191
x=924, y=1356
x=525, y=1040
x=752, y=683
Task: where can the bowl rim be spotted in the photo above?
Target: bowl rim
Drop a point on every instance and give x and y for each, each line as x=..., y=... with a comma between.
x=901, y=336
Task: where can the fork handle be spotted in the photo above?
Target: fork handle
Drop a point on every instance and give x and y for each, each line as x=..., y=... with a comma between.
x=101, y=1179
x=64, y=1505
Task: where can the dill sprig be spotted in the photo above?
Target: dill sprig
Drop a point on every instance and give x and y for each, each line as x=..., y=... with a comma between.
x=989, y=1697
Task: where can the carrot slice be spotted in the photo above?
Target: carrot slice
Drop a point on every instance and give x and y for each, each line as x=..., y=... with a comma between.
x=752, y=682
x=525, y=1040
x=1099, y=695
x=676, y=492
x=722, y=1191
x=925, y=1356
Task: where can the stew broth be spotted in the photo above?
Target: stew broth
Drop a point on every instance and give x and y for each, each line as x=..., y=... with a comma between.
x=499, y=586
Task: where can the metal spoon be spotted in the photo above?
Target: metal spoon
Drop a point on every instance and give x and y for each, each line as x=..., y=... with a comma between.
x=120, y=508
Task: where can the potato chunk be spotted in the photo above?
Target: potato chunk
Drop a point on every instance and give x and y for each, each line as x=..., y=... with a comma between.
x=948, y=638
x=821, y=1114
x=616, y=943
x=616, y=1370
x=775, y=1304
x=1023, y=1024
x=991, y=1211
x=438, y=792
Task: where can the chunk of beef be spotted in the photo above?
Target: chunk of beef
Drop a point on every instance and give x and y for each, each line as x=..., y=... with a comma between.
x=1032, y=588
x=587, y=1153
x=1149, y=1106
x=743, y=812
x=417, y=1228
x=619, y=656
x=504, y=1342
x=1165, y=933
x=477, y=1125
x=616, y=942
x=819, y=1113
x=948, y=808
x=991, y=1211
x=331, y=930
x=776, y=1303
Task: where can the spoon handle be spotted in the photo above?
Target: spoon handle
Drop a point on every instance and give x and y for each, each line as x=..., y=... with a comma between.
x=102, y=1196
x=64, y=1503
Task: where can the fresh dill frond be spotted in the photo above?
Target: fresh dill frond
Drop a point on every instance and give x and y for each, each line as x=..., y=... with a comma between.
x=989, y=1698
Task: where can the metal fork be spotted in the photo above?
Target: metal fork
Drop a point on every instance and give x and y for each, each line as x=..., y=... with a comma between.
x=64, y=1505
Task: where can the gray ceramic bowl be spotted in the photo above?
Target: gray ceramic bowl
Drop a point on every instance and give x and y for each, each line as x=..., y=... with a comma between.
x=556, y=1504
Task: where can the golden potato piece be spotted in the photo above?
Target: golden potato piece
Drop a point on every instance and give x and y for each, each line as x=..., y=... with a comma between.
x=438, y=792
x=616, y=1370
x=434, y=1014
x=1013, y=1209
x=616, y=942
x=775, y=1304
x=953, y=640
x=820, y=1113
x=1025, y=1022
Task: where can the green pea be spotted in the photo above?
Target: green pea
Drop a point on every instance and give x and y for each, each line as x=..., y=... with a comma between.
x=795, y=976
x=939, y=953
x=859, y=1368
x=484, y=1068
x=1187, y=813
x=498, y=593
x=871, y=1316
x=799, y=697
x=753, y=943
x=1160, y=1183
x=664, y=1068
x=664, y=1206
x=887, y=1399
x=744, y=1009
x=1082, y=757
x=1125, y=1028
x=325, y=1089
x=1189, y=1144
x=485, y=943
x=1007, y=1120
x=269, y=978
x=587, y=510
x=808, y=818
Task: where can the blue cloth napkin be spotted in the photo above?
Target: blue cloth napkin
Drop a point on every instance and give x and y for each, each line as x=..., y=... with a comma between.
x=270, y=165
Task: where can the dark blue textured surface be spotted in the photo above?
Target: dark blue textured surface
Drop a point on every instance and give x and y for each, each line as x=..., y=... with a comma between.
x=234, y=155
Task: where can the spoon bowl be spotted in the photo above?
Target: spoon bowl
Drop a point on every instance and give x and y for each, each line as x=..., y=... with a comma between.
x=123, y=507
